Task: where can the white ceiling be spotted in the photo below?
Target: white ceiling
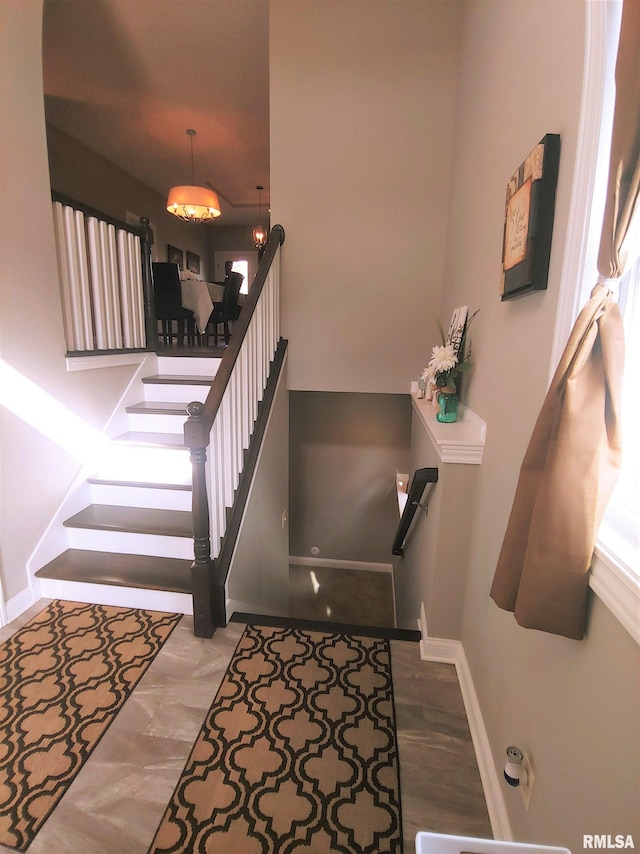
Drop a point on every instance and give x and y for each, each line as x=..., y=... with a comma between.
x=128, y=77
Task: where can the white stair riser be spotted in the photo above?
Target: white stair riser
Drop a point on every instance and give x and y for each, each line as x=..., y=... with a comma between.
x=156, y=423
x=172, y=365
x=127, y=543
x=125, y=597
x=140, y=496
x=130, y=463
x=159, y=392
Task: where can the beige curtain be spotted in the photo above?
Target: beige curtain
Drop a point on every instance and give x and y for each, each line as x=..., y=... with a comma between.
x=573, y=458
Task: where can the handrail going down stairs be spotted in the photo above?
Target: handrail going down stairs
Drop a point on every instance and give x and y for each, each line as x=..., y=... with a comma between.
x=225, y=422
x=421, y=477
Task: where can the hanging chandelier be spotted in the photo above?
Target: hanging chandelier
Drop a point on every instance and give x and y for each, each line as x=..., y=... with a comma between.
x=191, y=203
x=259, y=232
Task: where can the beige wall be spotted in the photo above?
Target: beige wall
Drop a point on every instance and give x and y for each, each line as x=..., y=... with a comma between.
x=573, y=705
x=31, y=334
x=362, y=103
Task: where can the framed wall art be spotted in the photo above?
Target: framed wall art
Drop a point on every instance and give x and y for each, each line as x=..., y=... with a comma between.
x=528, y=220
x=175, y=256
x=193, y=262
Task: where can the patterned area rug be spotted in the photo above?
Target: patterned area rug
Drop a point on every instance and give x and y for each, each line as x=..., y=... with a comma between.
x=297, y=753
x=63, y=678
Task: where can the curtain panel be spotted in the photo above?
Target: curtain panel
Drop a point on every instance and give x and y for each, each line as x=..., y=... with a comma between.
x=573, y=458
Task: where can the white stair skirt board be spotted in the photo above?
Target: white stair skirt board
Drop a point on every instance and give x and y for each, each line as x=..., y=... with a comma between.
x=452, y=652
x=125, y=597
x=340, y=564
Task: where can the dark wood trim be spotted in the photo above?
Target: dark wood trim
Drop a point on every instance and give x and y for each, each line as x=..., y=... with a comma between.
x=197, y=434
x=419, y=481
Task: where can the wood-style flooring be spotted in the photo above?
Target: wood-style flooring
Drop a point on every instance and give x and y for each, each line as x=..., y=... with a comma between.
x=116, y=802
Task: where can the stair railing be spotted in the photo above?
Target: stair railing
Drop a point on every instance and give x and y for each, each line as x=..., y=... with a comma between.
x=104, y=268
x=224, y=423
x=415, y=491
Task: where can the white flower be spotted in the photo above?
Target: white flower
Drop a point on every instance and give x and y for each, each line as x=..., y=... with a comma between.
x=442, y=359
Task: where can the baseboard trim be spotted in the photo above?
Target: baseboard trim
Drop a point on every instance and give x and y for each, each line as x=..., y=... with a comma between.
x=452, y=652
x=17, y=605
x=340, y=564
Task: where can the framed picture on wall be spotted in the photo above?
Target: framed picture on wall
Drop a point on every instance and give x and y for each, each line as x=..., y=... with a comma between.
x=528, y=220
x=193, y=262
x=175, y=256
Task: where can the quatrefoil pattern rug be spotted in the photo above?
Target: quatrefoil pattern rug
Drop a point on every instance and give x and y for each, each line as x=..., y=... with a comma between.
x=297, y=754
x=63, y=678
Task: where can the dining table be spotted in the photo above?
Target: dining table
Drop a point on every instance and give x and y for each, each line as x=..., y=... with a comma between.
x=199, y=297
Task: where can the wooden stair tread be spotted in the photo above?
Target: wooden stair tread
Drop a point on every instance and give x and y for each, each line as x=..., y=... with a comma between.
x=138, y=520
x=141, y=484
x=147, y=407
x=162, y=440
x=122, y=570
x=177, y=379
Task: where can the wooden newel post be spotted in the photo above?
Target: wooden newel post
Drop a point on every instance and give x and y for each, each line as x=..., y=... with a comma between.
x=150, y=322
x=202, y=568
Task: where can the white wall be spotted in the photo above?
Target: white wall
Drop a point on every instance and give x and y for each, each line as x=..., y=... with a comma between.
x=362, y=101
x=573, y=705
x=37, y=465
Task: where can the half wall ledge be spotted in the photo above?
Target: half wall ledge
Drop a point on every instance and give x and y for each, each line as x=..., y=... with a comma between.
x=460, y=442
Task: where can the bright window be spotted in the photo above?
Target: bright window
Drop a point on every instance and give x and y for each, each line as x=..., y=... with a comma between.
x=615, y=570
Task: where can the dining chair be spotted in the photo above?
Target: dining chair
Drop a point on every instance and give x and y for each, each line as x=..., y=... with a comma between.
x=228, y=310
x=168, y=302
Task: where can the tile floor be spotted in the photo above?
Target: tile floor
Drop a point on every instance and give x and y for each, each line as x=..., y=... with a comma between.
x=116, y=802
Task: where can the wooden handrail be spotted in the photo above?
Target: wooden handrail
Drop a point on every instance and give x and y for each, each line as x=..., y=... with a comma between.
x=197, y=431
x=207, y=586
x=419, y=481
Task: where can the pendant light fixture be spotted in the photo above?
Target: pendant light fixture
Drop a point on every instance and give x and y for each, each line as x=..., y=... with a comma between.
x=259, y=232
x=192, y=203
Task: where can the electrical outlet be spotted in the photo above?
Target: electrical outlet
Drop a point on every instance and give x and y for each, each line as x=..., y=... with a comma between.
x=528, y=780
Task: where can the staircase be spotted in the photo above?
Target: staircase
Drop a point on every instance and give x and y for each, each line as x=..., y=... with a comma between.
x=129, y=540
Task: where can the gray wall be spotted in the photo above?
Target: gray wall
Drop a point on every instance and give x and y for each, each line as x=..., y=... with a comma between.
x=259, y=575
x=345, y=452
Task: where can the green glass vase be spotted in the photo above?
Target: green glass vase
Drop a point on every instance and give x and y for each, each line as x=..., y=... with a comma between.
x=447, y=407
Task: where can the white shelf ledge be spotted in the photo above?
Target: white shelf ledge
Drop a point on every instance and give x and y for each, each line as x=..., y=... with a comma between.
x=460, y=442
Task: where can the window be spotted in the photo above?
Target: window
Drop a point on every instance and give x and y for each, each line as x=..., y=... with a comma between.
x=615, y=571
x=244, y=262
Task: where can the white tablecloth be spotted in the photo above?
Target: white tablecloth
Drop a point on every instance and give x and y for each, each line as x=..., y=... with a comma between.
x=196, y=297
x=199, y=298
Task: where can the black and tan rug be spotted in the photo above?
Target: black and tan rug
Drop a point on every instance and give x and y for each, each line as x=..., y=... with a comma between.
x=63, y=678
x=297, y=753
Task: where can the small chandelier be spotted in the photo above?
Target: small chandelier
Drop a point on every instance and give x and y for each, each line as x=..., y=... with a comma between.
x=191, y=203
x=259, y=232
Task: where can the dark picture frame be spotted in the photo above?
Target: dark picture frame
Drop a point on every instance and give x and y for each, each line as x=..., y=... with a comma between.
x=528, y=220
x=193, y=262
x=175, y=255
